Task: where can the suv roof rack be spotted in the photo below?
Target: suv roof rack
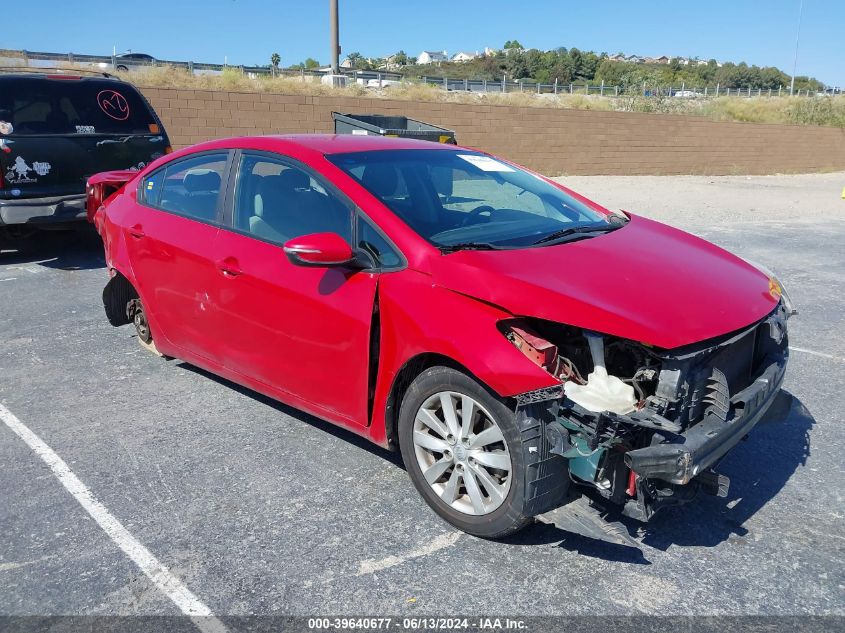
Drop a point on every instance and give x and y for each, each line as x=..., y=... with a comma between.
x=48, y=71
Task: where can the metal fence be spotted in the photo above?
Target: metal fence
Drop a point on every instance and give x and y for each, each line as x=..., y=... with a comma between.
x=601, y=89
x=376, y=78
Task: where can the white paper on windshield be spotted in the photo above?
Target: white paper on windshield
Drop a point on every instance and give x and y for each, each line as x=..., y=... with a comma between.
x=485, y=163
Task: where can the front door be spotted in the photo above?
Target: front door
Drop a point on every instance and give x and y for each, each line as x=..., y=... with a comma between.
x=302, y=330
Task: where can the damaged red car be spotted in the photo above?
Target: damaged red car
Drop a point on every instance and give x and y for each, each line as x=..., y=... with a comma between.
x=516, y=342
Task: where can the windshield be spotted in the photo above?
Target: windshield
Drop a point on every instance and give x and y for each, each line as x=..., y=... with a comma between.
x=468, y=199
x=38, y=105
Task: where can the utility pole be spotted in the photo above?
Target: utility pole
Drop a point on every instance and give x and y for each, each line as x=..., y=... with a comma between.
x=335, y=42
x=797, y=39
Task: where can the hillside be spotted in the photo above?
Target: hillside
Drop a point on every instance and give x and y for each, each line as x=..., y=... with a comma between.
x=572, y=65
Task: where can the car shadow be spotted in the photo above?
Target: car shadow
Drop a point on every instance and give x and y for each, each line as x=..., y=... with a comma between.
x=759, y=468
x=572, y=540
x=302, y=416
x=73, y=249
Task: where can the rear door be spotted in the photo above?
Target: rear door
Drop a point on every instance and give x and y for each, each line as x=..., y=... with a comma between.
x=302, y=330
x=170, y=237
x=56, y=131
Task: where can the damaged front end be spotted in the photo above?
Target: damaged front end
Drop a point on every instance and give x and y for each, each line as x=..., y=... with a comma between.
x=644, y=427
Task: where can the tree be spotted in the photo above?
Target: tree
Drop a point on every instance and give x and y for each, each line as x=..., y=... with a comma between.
x=563, y=70
x=533, y=62
x=308, y=64
x=355, y=59
x=275, y=60
x=400, y=58
x=589, y=63
x=575, y=57
x=512, y=44
x=516, y=65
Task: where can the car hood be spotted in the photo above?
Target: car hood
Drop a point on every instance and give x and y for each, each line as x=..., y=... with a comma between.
x=645, y=281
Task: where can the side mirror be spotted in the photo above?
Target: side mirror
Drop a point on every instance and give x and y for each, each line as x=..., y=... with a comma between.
x=319, y=249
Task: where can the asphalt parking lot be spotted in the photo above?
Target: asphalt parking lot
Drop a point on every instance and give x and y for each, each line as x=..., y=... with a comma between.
x=260, y=509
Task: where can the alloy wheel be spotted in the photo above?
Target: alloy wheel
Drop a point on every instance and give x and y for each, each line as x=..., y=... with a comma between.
x=462, y=453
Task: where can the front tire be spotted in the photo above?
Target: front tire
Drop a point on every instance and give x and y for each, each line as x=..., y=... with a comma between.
x=462, y=449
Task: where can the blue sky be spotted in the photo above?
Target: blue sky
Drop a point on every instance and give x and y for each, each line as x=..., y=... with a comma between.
x=247, y=31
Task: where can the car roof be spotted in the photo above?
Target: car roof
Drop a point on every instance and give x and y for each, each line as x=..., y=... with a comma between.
x=50, y=74
x=323, y=143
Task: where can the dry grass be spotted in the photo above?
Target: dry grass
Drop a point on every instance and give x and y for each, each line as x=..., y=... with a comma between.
x=232, y=80
x=790, y=110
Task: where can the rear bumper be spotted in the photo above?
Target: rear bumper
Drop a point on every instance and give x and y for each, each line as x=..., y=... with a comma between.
x=685, y=456
x=57, y=209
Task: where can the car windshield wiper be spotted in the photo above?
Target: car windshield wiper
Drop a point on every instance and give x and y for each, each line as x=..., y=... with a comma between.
x=468, y=246
x=576, y=230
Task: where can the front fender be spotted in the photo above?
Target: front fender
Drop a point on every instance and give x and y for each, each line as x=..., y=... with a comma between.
x=418, y=317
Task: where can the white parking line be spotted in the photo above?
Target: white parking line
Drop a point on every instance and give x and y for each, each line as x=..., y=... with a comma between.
x=813, y=353
x=161, y=577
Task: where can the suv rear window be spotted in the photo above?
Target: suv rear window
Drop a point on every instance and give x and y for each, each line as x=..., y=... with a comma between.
x=36, y=105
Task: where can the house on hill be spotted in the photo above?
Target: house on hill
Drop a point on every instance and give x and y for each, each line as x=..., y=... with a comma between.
x=464, y=56
x=431, y=57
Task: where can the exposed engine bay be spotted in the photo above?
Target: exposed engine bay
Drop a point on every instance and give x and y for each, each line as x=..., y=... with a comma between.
x=643, y=427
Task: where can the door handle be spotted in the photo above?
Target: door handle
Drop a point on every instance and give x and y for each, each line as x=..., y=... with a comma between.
x=137, y=231
x=229, y=267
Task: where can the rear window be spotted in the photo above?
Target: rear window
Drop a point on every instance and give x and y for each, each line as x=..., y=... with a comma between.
x=72, y=106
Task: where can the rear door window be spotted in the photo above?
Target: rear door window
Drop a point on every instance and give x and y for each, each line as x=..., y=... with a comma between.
x=37, y=105
x=189, y=187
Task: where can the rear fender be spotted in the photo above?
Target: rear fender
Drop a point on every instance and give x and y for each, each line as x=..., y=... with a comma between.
x=118, y=259
x=120, y=266
x=101, y=187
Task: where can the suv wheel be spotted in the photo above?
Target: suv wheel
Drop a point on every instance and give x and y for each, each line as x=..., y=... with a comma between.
x=462, y=449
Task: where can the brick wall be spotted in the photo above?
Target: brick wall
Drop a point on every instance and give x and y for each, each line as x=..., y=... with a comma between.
x=551, y=140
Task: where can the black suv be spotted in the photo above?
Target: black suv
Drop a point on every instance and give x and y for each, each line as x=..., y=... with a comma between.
x=58, y=129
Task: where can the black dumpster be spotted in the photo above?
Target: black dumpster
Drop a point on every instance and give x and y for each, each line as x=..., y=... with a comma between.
x=385, y=125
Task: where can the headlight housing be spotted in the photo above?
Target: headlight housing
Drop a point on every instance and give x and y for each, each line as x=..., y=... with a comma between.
x=776, y=288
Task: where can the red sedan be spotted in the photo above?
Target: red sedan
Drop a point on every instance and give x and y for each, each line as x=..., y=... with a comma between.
x=518, y=343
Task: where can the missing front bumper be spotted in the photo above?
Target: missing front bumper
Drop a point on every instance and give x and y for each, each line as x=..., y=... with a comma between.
x=682, y=457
